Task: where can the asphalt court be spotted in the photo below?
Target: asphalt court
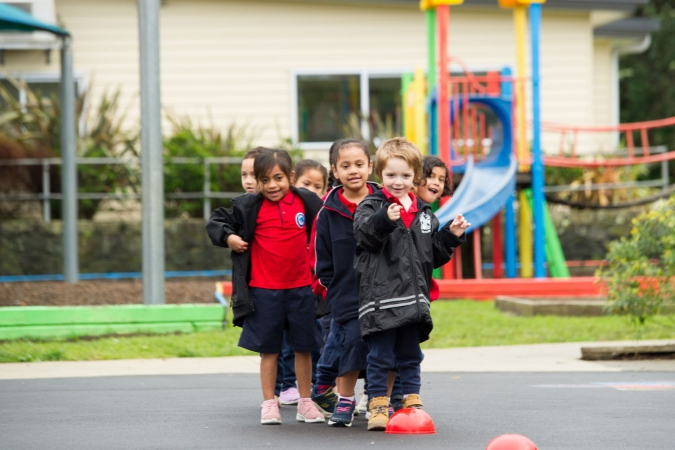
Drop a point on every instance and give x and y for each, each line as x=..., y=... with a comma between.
x=627, y=410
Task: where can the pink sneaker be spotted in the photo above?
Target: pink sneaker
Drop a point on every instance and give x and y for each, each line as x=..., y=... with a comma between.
x=270, y=413
x=307, y=412
x=289, y=397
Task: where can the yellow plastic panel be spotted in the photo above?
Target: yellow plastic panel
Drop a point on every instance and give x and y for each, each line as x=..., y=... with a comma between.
x=435, y=3
x=514, y=3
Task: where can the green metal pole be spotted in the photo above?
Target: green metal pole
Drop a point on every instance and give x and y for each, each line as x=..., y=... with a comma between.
x=431, y=48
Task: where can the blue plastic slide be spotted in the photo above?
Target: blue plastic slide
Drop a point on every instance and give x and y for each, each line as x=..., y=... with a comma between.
x=487, y=184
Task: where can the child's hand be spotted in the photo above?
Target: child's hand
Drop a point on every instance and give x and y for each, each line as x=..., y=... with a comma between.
x=394, y=212
x=459, y=225
x=236, y=243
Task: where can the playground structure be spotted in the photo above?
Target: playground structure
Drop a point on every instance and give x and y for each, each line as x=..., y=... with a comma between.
x=477, y=125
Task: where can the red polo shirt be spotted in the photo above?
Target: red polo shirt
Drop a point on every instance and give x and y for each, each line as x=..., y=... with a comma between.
x=350, y=206
x=406, y=216
x=279, y=256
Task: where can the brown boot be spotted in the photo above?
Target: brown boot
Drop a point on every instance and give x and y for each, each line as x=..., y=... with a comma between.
x=413, y=401
x=379, y=413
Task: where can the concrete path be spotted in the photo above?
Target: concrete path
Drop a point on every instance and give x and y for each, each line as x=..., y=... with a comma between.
x=517, y=358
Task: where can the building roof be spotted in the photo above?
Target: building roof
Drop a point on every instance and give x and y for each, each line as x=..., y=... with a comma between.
x=615, y=5
x=633, y=27
x=14, y=19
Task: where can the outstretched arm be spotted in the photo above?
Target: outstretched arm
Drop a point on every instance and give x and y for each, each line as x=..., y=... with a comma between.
x=448, y=238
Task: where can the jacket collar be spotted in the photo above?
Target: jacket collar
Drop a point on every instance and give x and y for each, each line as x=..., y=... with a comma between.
x=333, y=201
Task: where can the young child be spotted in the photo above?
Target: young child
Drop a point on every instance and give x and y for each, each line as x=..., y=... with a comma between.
x=311, y=175
x=335, y=247
x=247, y=177
x=285, y=390
x=435, y=184
x=268, y=235
x=398, y=245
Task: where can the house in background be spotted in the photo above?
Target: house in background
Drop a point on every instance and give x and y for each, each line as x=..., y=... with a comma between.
x=298, y=69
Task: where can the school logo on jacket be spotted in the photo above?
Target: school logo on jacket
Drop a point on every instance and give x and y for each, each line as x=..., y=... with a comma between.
x=300, y=220
x=425, y=222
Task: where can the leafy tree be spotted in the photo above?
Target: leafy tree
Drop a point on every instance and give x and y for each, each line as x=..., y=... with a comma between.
x=640, y=275
x=647, y=87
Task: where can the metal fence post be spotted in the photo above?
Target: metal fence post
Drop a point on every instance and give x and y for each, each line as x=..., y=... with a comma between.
x=69, y=165
x=46, y=209
x=207, y=189
x=665, y=176
x=151, y=154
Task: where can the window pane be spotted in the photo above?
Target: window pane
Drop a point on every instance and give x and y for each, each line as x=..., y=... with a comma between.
x=45, y=90
x=324, y=105
x=7, y=89
x=385, y=105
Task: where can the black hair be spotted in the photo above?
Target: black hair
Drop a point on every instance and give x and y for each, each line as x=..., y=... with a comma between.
x=334, y=151
x=309, y=164
x=428, y=164
x=267, y=158
x=251, y=154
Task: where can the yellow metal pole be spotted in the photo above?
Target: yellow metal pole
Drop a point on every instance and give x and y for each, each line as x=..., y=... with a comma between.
x=420, y=111
x=520, y=23
x=525, y=236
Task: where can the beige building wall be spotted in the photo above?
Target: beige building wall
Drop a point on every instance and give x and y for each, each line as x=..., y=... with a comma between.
x=227, y=61
x=604, y=103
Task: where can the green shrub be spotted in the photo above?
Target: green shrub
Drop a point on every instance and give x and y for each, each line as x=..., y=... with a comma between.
x=640, y=275
x=33, y=130
x=188, y=140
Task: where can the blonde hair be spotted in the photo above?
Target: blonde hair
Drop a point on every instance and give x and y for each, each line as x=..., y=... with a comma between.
x=399, y=147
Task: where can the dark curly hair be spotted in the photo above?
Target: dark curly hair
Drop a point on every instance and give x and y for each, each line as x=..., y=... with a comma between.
x=428, y=164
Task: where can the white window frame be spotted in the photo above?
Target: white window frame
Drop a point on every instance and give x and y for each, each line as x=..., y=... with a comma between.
x=364, y=86
x=81, y=85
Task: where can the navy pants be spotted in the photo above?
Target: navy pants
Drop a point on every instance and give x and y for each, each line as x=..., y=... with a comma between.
x=328, y=366
x=285, y=368
x=398, y=347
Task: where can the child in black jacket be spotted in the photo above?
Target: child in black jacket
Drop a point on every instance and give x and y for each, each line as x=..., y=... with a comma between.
x=398, y=246
x=268, y=233
x=335, y=247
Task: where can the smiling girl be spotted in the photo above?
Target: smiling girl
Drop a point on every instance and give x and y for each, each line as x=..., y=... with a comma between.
x=268, y=235
x=435, y=183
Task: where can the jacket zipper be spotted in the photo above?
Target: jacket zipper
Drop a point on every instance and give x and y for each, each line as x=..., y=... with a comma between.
x=412, y=263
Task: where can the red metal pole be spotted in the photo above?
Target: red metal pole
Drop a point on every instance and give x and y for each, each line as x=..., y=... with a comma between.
x=477, y=256
x=443, y=18
x=497, y=246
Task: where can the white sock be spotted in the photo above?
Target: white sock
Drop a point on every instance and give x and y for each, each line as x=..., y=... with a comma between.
x=346, y=398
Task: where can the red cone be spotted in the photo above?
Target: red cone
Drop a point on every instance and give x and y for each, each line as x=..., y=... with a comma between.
x=511, y=442
x=410, y=421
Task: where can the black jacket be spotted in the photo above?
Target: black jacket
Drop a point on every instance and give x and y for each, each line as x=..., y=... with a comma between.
x=335, y=246
x=240, y=219
x=393, y=265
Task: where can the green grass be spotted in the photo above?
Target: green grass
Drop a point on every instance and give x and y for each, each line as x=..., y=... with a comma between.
x=456, y=324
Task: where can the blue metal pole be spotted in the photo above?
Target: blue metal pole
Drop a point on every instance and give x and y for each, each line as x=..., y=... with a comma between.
x=537, y=163
x=510, y=241
x=510, y=248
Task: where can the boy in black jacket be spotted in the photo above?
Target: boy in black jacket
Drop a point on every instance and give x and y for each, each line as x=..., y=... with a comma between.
x=398, y=246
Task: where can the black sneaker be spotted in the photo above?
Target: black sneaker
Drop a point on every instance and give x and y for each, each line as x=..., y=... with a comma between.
x=344, y=413
x=325, y=402
x=397, y=402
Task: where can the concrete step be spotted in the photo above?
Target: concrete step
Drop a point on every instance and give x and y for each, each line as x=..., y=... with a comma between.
x=552, y=306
